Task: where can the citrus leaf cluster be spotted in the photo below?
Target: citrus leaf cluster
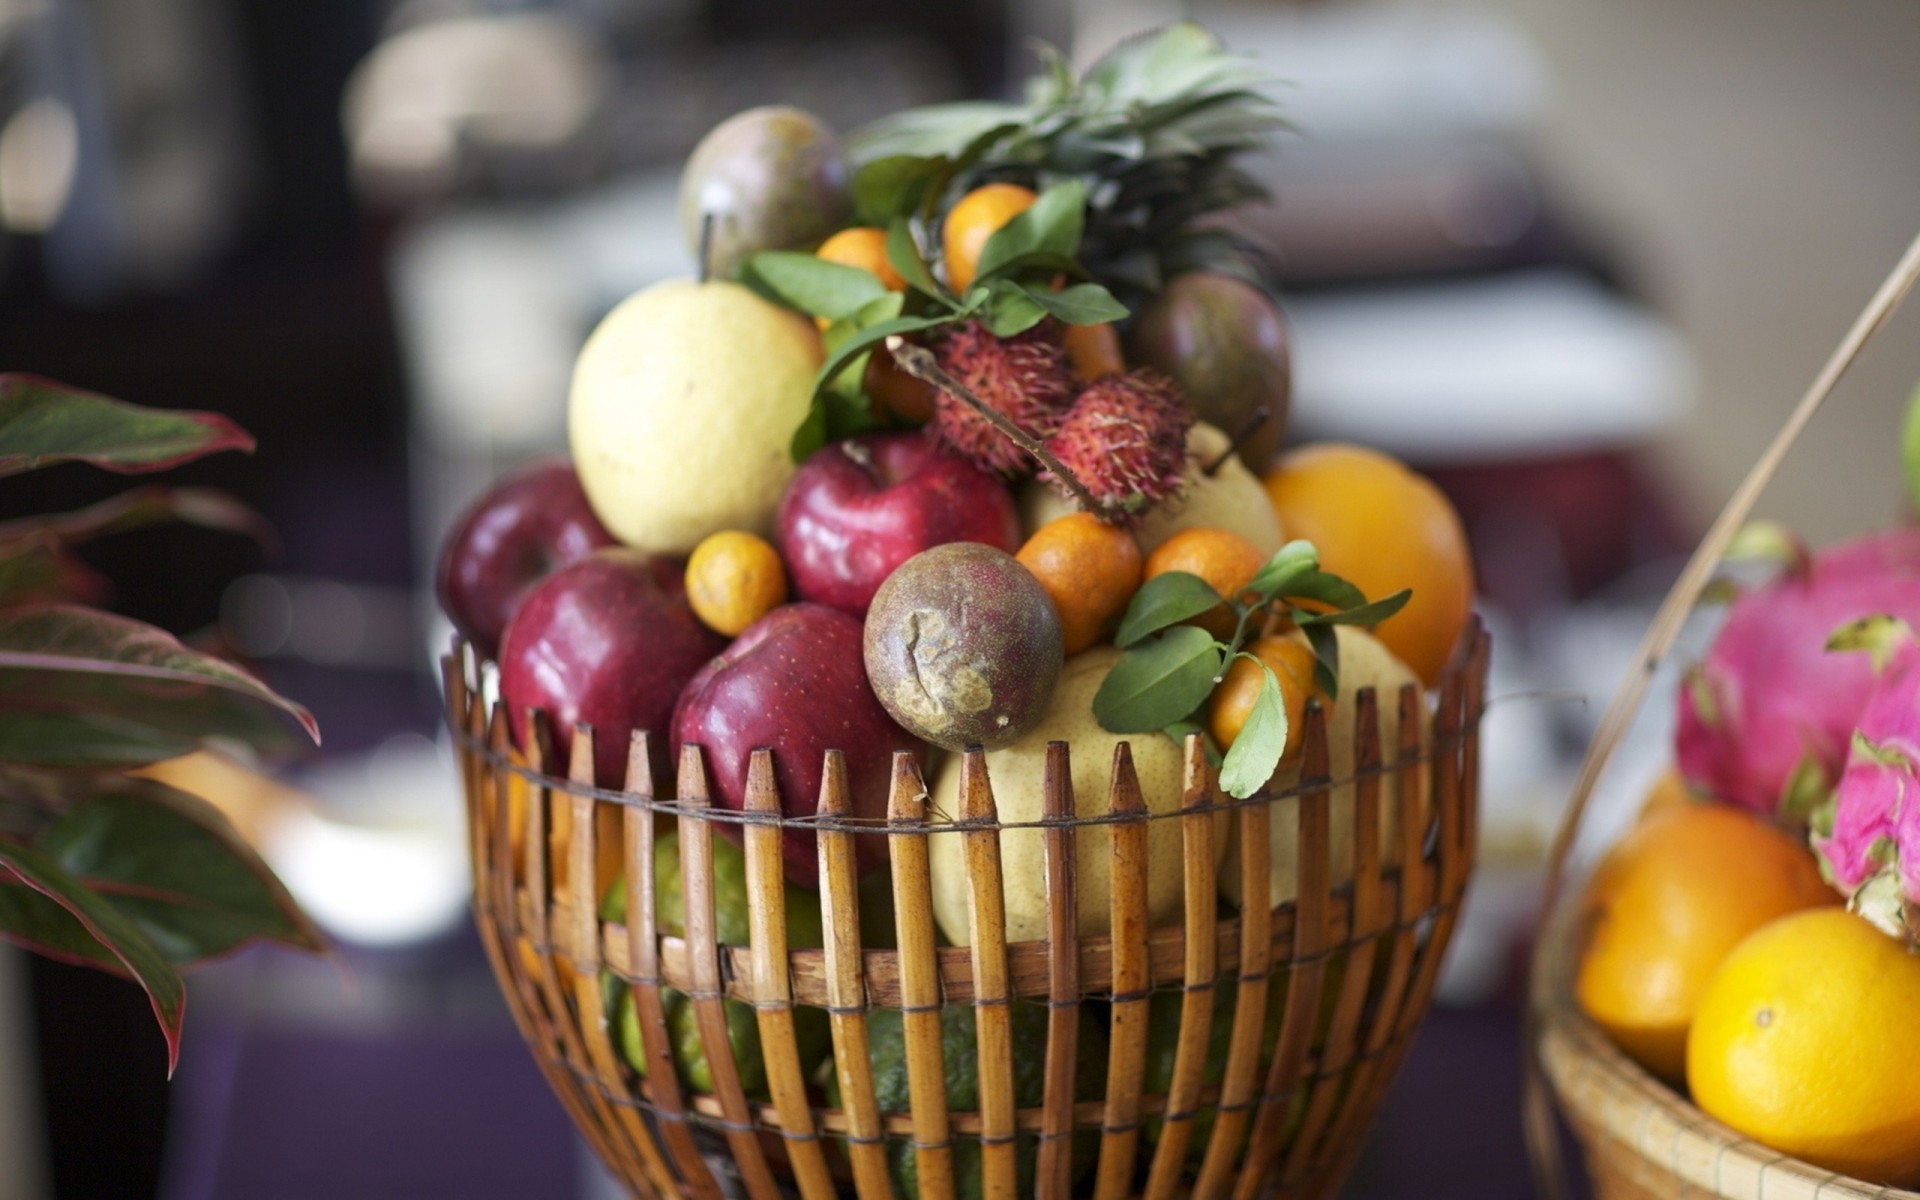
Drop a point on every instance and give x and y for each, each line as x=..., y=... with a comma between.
x=1170, y=668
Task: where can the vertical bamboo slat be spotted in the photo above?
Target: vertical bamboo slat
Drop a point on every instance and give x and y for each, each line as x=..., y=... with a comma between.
x=846, y=986
x=662, y=1085
x=1250, y=1007
x=1307, y=974
x=1200, y=968
x=1132, y=980
x=920, y=998
x=1055, y=1175
x=707, y=995
x=992, y=995
x=583, y=913
x=773, y=993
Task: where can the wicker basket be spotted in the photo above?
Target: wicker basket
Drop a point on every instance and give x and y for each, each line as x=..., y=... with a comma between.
x=1642, y=1139
x=1289, y=1116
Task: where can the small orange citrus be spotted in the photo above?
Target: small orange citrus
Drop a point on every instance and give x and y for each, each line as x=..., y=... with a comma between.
x=1806, y=1041
x=733, y=579
x=1090, y=569
x=1225, y=560
x=1233, y=697
x=1382, y=527
x=865, y=247
x=1093, y=351
x=1666, y=905
x=973, y=219
x=895, y=395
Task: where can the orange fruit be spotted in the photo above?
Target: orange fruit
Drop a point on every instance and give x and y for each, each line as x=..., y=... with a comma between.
x=1382, y=527
x=1093, y=351
x=1232, y=701
x=1668, y=791
x=865, y=247
x=1225, y=560
x=733, y=579
x=977, y=216
x=1090, y=570
x=1806, y=1041
x=894, y=394
x=1666, y=905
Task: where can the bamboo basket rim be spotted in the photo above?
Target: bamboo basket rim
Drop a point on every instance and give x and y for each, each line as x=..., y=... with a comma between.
x=1615, y=1098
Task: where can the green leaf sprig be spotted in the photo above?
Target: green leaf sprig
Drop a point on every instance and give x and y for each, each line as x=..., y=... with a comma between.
x=1170, y=668
x=1011, y=293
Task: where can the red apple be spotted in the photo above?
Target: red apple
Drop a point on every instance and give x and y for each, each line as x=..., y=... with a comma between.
x=795, y=682
x=859, y=508
x=530, y=523
x=609, y=641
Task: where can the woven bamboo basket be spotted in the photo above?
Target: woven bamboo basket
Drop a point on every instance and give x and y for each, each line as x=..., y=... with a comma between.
x=1357, y=963
x=1641, y=1138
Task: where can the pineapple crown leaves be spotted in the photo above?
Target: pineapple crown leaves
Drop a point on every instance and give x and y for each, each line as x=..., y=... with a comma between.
x=1151, y=131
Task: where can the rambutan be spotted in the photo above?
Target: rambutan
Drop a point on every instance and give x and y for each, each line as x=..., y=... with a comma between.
x=1024, y=378
x=1125, y=440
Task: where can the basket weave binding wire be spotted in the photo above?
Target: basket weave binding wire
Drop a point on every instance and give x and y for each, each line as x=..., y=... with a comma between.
x=1358, y=962
x=1641, y=1138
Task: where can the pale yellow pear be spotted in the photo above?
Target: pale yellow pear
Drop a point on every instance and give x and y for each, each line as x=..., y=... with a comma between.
x=1364, y=663
x=684, y=403
x=1232, y=499
x=1016, y=775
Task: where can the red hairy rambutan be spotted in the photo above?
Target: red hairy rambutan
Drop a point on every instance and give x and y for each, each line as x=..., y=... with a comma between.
x=1125, y=439
x=1024, y=378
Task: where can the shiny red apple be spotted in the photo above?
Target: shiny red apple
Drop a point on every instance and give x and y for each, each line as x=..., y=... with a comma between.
x=530, y=523
x=859, y=508
x=608, y=641
x=795, y=682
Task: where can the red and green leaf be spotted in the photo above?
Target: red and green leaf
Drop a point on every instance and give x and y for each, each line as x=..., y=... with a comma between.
x=46, y=909
x=43, y=422
x=207, y=508
x=80, y=688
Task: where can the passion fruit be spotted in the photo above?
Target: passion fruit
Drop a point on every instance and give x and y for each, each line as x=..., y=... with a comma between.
x=1225, y=344
x=963, y=647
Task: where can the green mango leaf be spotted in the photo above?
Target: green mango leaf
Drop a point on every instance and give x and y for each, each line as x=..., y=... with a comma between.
x=839, y=407
x=81, y=688
x=1080, y=304
x=25, y=872
x=1288, y=563
x=813, y=285
x=904, y=255
x=1051, y=226
x=1330, y=590
x=42, y=423
x=1011, y=309
x=1162, y=601
x=1326, y=659
x=173, y=863
x=1255, y=754
x=1158, y=682
x=892, y=187
x=1910, y=448
x=142, y=507
x=1371, y=613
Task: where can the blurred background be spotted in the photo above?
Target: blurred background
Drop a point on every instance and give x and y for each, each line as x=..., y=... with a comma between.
x=1573, y=259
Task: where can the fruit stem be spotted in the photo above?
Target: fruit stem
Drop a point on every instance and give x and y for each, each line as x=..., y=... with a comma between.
x=919, y=362
x=1259, y=418
x=705, y=253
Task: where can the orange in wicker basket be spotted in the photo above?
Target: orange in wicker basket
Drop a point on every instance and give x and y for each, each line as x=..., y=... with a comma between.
x=1357, y=963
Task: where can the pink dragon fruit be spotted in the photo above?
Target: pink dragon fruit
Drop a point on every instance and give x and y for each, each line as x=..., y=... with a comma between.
x=1766, y=718
x=1868, y=836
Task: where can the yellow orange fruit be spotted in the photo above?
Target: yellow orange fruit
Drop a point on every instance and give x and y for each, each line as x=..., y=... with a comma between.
x=865, y=247
x=1382, y=527
x=1806, y=1041
x=734, y=579
x=1093, y=351
x=1291, y=661
x=1666, y=905
x=1089, y=569
x=977, y=216
x=1225, y=560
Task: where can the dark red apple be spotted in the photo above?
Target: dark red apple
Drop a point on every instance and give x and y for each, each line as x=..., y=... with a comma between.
x=795, y=682
x=609, y=641
x=859, y=508
x=530, y=523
